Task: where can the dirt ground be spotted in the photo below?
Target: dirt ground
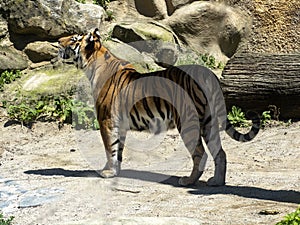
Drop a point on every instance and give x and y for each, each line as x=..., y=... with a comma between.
x=49, y=176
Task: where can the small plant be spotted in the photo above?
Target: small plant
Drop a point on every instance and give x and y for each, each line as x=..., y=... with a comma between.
x=237, y=117
x=52, y=108
x=7, y=77
x=5, y=221
x=81, y=1
x=265, y=118
x=291, y=219
x=22, y=113
x=110, y=15
x=210, y=62
x=102, y=3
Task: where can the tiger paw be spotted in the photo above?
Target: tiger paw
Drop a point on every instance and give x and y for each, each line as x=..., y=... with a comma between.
x=108, y=173
x=214, y=182
x=186, y=181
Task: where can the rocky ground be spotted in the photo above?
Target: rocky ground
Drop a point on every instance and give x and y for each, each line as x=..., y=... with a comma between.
x=49, y=176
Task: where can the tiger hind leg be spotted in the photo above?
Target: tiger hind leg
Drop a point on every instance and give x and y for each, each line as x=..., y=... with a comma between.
x=212, y=139
x=197, y=156
x=220, y=170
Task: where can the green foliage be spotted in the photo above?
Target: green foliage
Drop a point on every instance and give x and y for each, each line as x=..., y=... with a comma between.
x=291, y=219
x=237, y=117
x=5, y=221
x=110, y=15
x=210, y=62
x=84, y=116
x=265, y=118
x=81, y=1
x=102, y=3
x=7, y=77
x=52, y=108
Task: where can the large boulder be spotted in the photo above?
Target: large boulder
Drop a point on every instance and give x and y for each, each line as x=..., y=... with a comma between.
x=275, y=25
x=35, y=26
x=46, y=82
x=48, y=19
x=142, y=62
x=153, y=38
x=210, y=27
x=152, y=8
x=157, y=9
x=41, y=51
x=12, y=59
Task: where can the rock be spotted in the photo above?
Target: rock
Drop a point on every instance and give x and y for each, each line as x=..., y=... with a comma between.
x=46, y=82
x=52, y=18
x=3, y=28
x=141, y=62
x=41, y=51
x=142, y=31
x=51, y=82
x=210, y=27
x=31, y=21
x=152, y=8
x=12, y=59
x=275, y=25
x=151, y=38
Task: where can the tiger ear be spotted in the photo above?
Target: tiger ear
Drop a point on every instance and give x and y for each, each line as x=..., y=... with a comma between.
x=96, y=33
x=90, y=41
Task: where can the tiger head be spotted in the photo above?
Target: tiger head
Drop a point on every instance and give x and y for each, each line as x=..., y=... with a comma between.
x=80, y=47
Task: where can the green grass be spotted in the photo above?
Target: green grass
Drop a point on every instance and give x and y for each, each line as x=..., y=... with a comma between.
x=4, y=221
x=291, y=218
x=7, y=77
x=62, y=109
x=238, y=119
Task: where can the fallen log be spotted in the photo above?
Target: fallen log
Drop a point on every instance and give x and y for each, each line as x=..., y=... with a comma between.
x=257, y=81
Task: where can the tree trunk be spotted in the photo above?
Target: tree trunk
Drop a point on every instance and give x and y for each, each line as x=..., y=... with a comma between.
x=256, y=81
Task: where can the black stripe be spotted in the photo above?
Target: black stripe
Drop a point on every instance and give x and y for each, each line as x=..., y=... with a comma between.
x=136, y=113
x=158, y=107
x=145, y=122
x=116, y=142
x=147, y=109
x=107, y=91
x=167, y=109
x=207, y=121
x=134, y=121
x=120, y=158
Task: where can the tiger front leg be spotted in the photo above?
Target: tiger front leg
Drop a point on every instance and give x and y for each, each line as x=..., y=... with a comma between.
x=114, y=144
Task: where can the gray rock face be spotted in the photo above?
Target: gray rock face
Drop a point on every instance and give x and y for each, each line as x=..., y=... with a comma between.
x=12, y=59
x=41, y=51
x=51, y=18
x=34, y=25
x=152, y=38
x=210, y=27
x=3, y=28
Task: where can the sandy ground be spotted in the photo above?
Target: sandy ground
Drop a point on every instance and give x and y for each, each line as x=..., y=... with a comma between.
x=48, y=176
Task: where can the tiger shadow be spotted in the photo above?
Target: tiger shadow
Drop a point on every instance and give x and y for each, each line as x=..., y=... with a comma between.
x=200, y=188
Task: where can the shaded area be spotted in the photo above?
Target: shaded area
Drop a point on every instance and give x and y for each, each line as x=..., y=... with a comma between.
x=65, y=173
x=289, y=196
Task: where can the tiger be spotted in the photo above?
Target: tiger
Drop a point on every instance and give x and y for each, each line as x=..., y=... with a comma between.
x=186, y=97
